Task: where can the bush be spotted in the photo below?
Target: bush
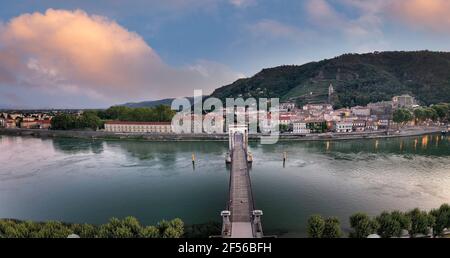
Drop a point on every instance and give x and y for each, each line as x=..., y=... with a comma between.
x=115, y=228
x=441, y=218
x=421, y=222
x=316, y=226
x=362, y=225
x=332, y=228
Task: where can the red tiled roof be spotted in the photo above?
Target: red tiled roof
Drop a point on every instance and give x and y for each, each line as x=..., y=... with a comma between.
x=136, y=123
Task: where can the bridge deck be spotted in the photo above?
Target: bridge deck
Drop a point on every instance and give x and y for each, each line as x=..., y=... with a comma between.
x=241, y=201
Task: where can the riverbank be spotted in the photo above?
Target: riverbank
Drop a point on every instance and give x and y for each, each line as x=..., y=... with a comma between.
x=102, y=135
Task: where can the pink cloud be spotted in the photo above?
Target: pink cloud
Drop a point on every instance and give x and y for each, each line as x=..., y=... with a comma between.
x=425, y=14
x=71, y=52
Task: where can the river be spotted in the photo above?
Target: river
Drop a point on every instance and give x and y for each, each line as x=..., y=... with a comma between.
x=87, y=181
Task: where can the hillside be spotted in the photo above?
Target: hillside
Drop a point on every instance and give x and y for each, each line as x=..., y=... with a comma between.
x=358, y=79
x=154, y=103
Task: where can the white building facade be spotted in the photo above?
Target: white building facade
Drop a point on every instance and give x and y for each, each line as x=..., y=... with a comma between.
x=138, y=127
x=300, y=127
x=343, y=126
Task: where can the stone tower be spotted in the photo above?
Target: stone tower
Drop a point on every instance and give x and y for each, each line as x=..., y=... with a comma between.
x=330, y=94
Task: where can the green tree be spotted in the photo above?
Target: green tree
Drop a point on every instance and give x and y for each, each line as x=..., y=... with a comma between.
x=171, y=229
x=115, y=229
x=442, y=219
x=402, y=218
x=388, y=226
x=442, y=110
x=431, y=114
x=89, y=120
x=150, y=232
x=402, y=116
x=316, y=226
x=421, y=222
x=63, y=122
x=284, y=128
x=332, y=228
x=362, y=225
x=84, y=230
x=52, y=229
x=419, y=114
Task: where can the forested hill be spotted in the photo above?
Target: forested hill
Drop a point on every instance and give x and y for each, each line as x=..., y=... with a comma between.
x=357, y=79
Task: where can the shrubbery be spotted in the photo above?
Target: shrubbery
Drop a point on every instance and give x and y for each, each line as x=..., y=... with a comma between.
x=128, y=227
x=388, y=224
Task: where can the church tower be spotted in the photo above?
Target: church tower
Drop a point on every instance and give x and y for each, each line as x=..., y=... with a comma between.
x=330, y=93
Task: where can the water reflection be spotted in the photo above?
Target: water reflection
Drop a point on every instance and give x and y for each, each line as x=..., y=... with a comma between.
x=77, y=146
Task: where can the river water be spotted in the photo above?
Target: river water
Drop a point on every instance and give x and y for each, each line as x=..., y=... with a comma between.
x=90, y=181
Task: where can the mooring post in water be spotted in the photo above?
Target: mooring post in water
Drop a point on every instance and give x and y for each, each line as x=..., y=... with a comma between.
x=193, y=160
x=284, y=158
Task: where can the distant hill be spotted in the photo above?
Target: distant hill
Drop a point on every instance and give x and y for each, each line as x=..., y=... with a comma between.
x=153, y=103
x=357, y=79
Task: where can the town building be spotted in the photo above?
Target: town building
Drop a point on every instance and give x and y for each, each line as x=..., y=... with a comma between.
x=380, y=108
x=343, y=126
x=317, y=126
x=343, y=112
x=360, y=111
x=300, y=127
x=359, y=125
x=371, y=125
x=138, y=127
x=383, y=122
x=10, y=123
x=35, y=124
x=318, y=107
x=403, y=101
x=287, y=107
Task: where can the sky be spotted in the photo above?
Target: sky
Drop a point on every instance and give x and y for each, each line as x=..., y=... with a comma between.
x=94, y=54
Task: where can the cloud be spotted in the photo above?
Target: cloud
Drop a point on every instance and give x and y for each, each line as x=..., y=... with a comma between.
x=66, y=53
x=364, y=30
x=276, y=30
x=431, y=15
x=423, y=14
x=242, y=3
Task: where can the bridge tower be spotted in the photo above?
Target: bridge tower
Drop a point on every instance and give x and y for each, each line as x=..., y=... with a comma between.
x=241, y=129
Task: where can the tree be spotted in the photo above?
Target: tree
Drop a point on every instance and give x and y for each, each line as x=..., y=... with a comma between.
x=402, y=116
x=52, y=229
x=284, y=128
x=362, y=225
x=115, y=228
x=161, y=113
x=332, y=228
x=388, y=226
x=442, y=110
x=442, y=219
x=150, y=232
x=419, y=114
x=431, y=114
x=403, y=219
x=88, y=120
x=421, y=222
x=63, y=122
x=316, y=226
x=171, y=229
x=84, y=230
